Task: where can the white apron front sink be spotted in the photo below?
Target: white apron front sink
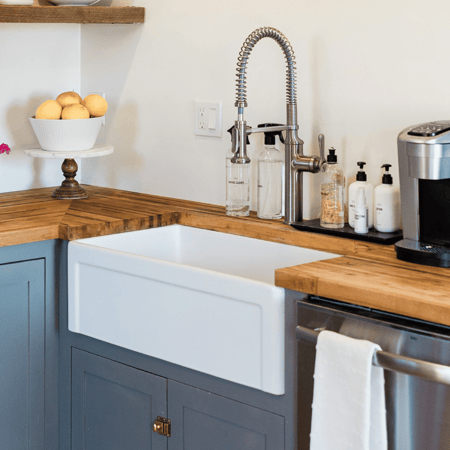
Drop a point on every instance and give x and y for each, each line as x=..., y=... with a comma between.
x=197, y=298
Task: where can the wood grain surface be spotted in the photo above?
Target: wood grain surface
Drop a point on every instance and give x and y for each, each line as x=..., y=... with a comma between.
x=71, y=14
x=412, y=293
x=362, y=273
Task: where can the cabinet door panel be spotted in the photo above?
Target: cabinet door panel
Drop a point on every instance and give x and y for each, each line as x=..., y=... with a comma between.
x=205, y=421
x=114, y=405
x=22, y=349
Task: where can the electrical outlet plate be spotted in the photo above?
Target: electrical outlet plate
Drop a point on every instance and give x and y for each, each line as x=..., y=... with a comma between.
x=208, y=119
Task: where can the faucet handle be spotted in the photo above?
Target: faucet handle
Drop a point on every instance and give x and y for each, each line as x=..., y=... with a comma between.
x=321, y=139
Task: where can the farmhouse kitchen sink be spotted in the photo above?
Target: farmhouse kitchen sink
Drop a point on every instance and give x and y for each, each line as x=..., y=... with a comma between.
x=197, y=298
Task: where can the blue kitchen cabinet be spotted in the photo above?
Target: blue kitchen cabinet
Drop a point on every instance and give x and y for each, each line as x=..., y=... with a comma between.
x=114, y=406
x=29, y=348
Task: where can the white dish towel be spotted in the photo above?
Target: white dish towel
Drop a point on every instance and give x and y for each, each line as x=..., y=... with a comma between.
x=349, y=408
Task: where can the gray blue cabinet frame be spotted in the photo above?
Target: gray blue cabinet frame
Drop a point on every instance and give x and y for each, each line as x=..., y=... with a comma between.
x=29, y=347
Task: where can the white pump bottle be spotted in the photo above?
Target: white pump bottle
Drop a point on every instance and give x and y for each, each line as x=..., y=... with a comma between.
x=361, y=181
x=387, y=204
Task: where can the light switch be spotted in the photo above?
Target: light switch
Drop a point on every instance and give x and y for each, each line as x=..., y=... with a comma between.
x=212, y=119
x=208, y=119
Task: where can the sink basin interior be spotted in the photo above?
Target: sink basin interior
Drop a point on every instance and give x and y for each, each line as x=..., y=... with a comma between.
x=240, y=256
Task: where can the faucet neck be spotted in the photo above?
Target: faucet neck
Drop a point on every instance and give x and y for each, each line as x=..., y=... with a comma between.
x=244, y=54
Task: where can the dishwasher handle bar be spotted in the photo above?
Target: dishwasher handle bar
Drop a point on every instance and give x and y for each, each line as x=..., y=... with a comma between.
x=389, y=361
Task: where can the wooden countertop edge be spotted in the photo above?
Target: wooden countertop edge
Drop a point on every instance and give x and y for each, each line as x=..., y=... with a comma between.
x=399, y=290
x=69, y=231
x=36, y=234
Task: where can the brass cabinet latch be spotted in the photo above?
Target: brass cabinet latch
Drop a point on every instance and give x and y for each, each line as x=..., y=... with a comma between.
x=162, y=426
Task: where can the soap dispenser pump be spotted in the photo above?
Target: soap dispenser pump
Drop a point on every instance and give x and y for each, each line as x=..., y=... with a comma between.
x=387, y=204
x=361, y=181
x=270, y=176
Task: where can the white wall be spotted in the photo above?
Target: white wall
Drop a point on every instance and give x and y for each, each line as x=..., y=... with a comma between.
x=37, y=63
x=366, y=70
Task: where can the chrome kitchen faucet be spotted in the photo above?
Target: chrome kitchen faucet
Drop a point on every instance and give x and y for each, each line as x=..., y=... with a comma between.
x=295, y=162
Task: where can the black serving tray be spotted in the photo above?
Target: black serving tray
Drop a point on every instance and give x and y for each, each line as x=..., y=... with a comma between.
x=348, y=232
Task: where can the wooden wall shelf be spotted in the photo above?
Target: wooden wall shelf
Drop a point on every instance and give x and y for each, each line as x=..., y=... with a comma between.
x=71, y=14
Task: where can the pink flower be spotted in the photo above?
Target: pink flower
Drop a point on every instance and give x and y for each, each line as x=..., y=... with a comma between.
x=4, y=149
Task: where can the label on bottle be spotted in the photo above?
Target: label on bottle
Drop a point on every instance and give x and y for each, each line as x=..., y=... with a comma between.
x=379, y=212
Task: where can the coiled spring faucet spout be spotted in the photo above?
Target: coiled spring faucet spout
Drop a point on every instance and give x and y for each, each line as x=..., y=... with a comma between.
x=295, y=163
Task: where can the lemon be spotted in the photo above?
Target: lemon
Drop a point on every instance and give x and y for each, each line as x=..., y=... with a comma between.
x=68, y=98
x=96, y=105
x=75, y=111
x=50, y=109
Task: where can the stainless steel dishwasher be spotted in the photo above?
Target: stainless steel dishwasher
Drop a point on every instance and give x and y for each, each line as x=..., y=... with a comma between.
x=418, y=406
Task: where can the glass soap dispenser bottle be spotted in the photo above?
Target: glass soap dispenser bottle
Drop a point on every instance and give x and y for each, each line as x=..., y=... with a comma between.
x=237, y=184
x=332, y=193
x=270, y=176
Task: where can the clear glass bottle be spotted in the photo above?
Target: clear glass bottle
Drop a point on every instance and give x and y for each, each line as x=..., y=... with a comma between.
x=237, y=186
x=332, y=193
x=270, y=177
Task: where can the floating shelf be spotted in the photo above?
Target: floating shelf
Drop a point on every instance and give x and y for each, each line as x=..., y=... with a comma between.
x=71, y=14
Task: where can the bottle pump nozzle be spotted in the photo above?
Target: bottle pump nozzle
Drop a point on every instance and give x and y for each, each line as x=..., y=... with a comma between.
x=361, y=175
x=387, y=177
x=269, y=136
x=332, y=157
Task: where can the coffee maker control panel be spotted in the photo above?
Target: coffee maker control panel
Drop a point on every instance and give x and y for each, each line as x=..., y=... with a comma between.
x=430, y=129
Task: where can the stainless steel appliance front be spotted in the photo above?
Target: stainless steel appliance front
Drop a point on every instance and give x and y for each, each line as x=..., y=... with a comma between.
x=418, y=410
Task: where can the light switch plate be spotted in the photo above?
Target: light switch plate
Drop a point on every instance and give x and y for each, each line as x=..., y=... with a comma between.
x=208, y=119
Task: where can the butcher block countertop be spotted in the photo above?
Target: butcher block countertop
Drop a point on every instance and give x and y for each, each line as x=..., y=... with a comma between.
x=362, y=273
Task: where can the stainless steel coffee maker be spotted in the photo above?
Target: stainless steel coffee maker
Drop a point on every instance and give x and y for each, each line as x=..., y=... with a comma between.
x=424, y=164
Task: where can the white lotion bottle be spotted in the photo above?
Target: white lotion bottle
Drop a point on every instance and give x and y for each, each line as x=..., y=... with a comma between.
x=361, y=213
x=387, y=204
x=361, y=181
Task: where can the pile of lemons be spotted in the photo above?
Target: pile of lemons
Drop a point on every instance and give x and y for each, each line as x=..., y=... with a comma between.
x=69, y=105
